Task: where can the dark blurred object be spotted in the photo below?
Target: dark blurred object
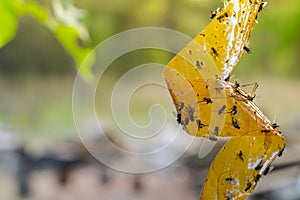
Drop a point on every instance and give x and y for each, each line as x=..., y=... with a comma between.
x=34, y=50
x=137, y=184
x=72, y=164
x=28, y=164
x=24, y=168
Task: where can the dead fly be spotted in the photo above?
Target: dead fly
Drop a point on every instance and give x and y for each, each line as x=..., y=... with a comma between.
x=240, y=156
x=221, y=110
x=247, y=49
x=262, y=6
x=214, y=13
x=214, y=52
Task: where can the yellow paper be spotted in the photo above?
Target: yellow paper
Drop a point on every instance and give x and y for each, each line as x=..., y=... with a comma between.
x=208, y=105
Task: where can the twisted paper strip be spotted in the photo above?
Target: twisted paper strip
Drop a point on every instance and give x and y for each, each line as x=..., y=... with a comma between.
x=208, y=105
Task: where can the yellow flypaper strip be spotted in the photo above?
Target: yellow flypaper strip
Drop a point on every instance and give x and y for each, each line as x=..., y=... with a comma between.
x=208, y=105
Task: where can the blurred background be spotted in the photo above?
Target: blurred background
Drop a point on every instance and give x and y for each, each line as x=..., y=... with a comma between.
x=41, y=156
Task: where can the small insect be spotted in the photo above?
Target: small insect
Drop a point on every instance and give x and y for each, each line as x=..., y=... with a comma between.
x=198, y=65
x=259, y=166
x=233, y=110
x=227, y=78
x=240, y=156
x=250, y=97
x=179, y=118
x=274, y=124
x=236, y=84
x=235, y=123
x=229, y=196
x=230, y=180
x=214, y=52
x=190, y=112
x=186, y=121
x=247, y=49
x=222, y=109
x=267, y=170
x=262, y=5
x=212, y=138
x=214, y=13
x=248, y=186
x=216, y=131
x=207, y=100
x=181, y=105
x=219, y=89
x=206, y=85
x=281, y=152
x=257, y=177
x=199, y=124
x=265, y=131
x=222, y=16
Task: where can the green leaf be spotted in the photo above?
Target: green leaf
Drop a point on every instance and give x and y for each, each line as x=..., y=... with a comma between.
x=32, y=8
x=66, y=24
x=8, y=21
x=72, y=34
x=69, y=38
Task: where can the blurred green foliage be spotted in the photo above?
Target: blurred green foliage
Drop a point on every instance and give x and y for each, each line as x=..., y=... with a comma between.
x=64, y=22
x=275, y=41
